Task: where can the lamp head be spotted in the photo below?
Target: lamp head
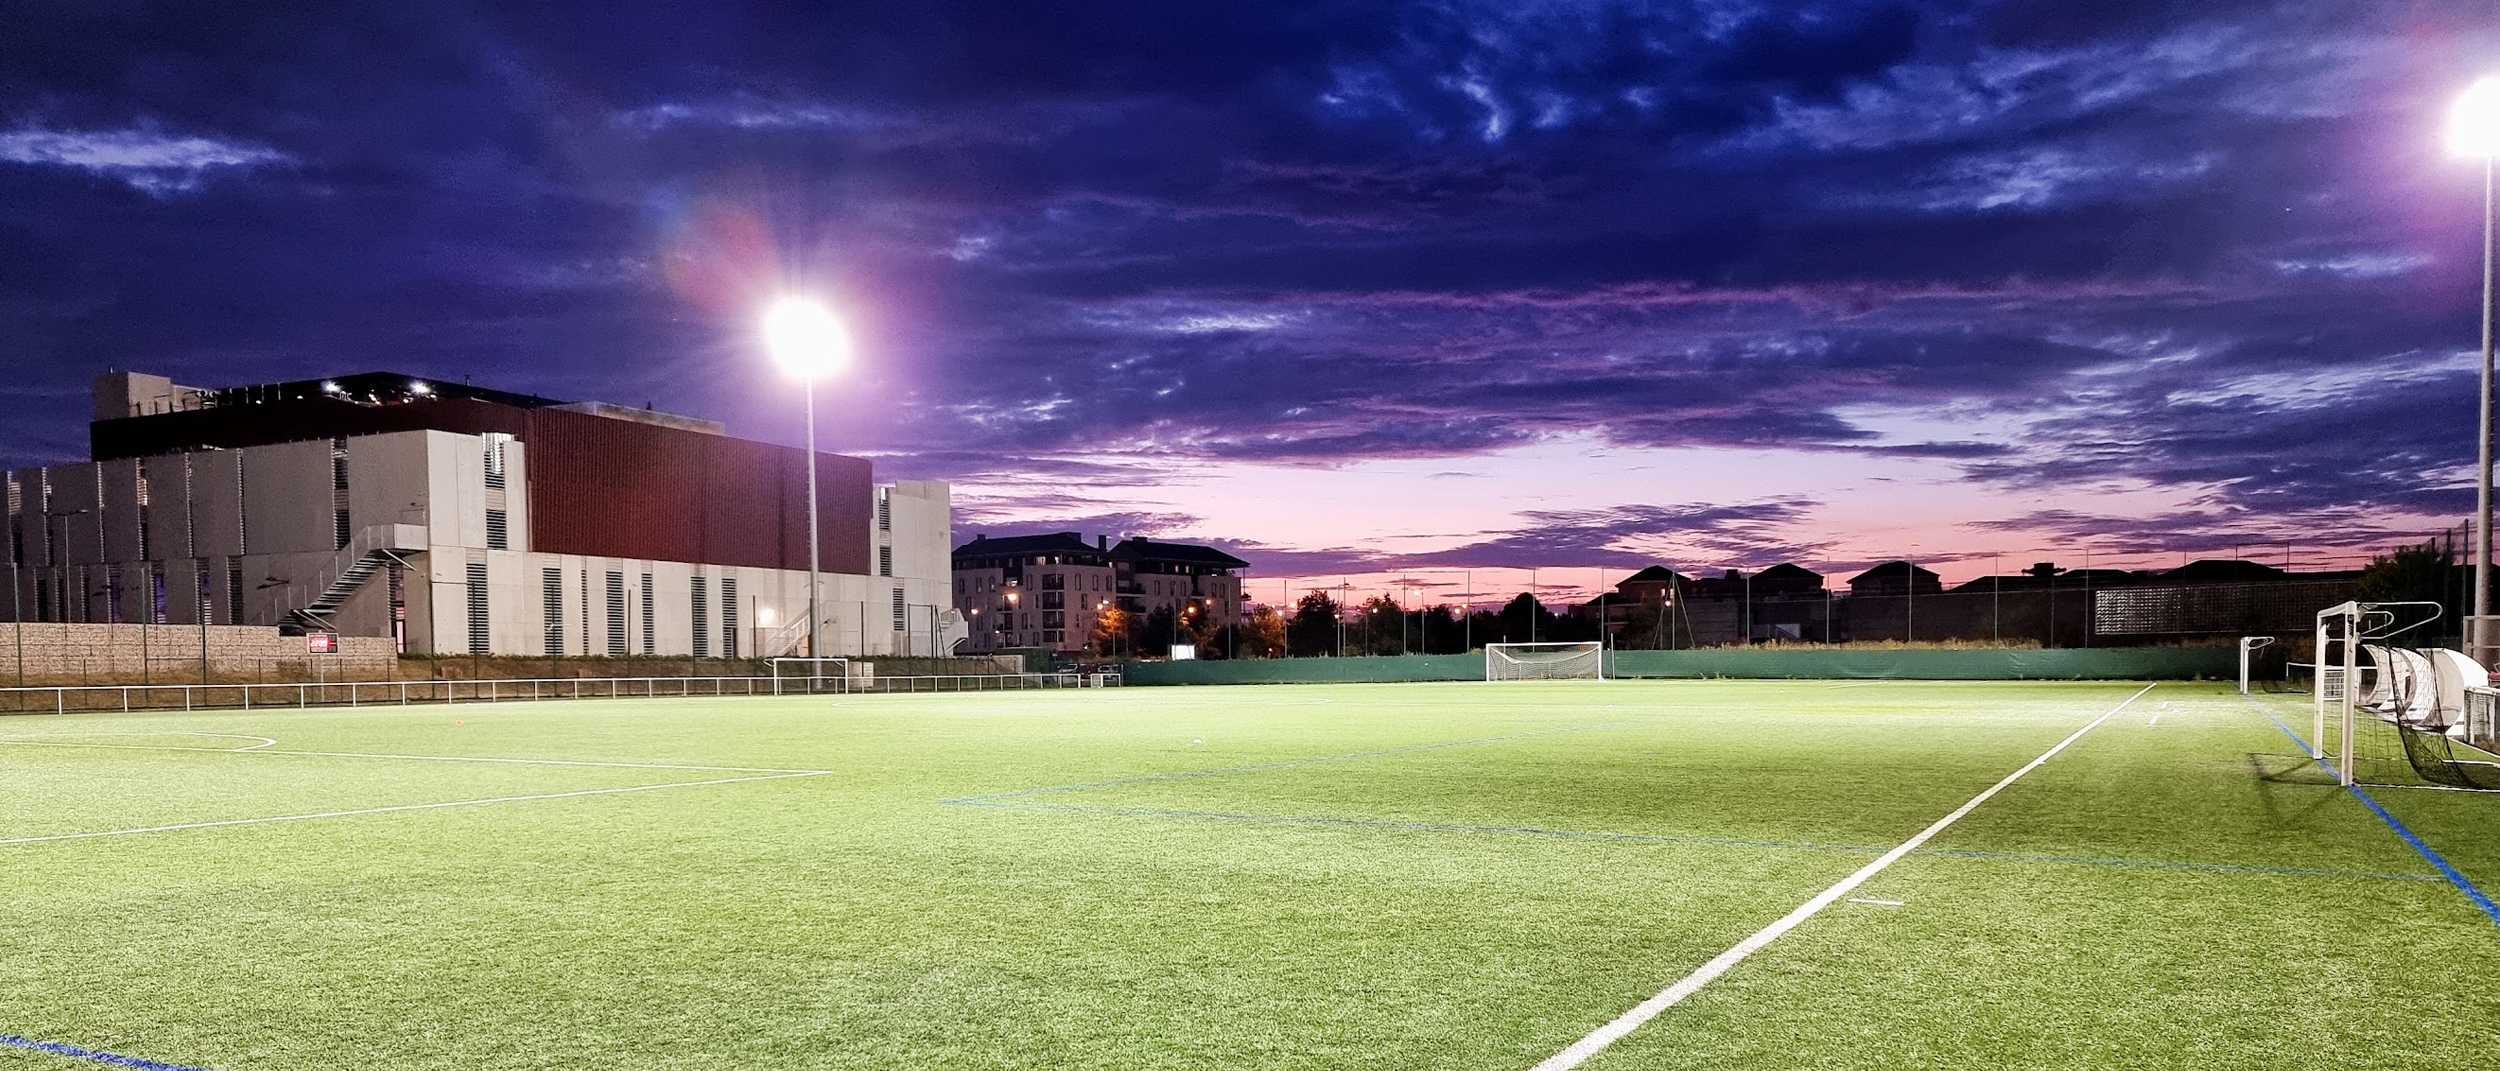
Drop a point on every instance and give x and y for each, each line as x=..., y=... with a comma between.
x=804, y=338
x=2474, y=121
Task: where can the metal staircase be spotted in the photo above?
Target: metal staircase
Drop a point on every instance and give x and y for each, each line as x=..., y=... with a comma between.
x=373, y=548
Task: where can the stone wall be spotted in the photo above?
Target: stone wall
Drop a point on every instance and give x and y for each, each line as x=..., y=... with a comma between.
x=53, y=653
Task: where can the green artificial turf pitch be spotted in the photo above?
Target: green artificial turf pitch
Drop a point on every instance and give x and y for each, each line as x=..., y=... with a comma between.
x=1442, y=876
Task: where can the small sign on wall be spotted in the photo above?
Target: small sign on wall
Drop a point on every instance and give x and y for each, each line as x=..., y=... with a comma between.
x=321, y=643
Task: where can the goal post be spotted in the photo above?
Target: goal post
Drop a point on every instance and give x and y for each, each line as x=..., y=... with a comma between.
x=1545, y=661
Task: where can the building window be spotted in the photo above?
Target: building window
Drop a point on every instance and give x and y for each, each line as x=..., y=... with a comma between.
x=494, y=462
x=481, y=637
x=885, y=509
x=728, y=617
x=399, y=608
x=234, y=591
x=554, y=596
x=702, y=618
x=156, y=593
x=650, y=632
x=498, y=523
x=616, y=615
x=144, y=542
x=208, y=589
x=338, y=491
x=885, y=561
x=898, y=609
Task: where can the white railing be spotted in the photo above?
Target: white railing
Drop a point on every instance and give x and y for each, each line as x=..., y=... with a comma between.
x=71, y=698
x=972, y=682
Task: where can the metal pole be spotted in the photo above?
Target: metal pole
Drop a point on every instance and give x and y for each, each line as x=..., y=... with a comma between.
x=815, y=643
x=2480, y=644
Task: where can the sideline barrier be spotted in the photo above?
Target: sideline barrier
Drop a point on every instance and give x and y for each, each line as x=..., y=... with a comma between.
x=75, y=698
x=1972, y=664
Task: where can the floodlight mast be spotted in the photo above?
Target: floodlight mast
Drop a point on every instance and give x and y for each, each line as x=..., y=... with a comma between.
x=2474, y=131
x=807, y=342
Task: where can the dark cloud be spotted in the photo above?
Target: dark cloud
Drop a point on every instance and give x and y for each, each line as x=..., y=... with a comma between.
x=2200, y=249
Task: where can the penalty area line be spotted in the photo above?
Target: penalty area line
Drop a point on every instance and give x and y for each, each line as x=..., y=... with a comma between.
x=405, y=807
x=1578, y=1052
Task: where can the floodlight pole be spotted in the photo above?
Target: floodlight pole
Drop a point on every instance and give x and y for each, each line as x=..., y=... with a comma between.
x=2478, y=645
x=815, y=645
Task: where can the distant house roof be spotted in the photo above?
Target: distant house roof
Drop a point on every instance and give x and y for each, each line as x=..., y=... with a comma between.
x=1893, y=570
x=1787, y=571
x=1140, y=549
x=1656, y=574
x=2222, y=571
x=1010, y=546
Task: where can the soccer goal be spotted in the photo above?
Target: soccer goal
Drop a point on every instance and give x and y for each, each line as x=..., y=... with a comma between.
x=2249, y=646
x=1545, y=661
x=810, y=674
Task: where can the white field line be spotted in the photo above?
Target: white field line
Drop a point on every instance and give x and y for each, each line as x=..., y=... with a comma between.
x=262, y=749
x=1597, y=1040
x=50, y=739
x=406, y=807
x=1879, y=903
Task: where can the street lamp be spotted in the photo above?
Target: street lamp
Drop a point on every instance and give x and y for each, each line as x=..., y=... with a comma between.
x=807, y=342
x=2474, y=130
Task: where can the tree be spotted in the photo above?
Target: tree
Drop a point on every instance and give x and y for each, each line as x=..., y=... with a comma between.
x=1312, y=632
x=1110, y=636
x=2420, y=573
x=1383, y=625
x=1524, y=619
x=1443, y=632
x=1264, y=635
x=1153, y=631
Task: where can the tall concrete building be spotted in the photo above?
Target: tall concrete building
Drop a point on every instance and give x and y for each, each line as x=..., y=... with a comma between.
x=463, y=520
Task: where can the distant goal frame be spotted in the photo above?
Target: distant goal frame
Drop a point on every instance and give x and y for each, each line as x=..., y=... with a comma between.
x=1572, y=658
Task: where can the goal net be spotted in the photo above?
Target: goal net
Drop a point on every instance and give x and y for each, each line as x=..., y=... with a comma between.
x=1544, y=661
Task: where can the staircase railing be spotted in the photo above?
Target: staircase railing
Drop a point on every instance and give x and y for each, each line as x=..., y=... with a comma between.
x=332, y=585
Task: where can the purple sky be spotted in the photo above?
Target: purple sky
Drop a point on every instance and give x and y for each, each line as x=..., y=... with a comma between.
x=1363, y=289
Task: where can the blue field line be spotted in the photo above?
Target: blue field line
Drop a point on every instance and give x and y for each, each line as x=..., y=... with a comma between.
x=2454, y=876
x=115, y=1059
x=1663, y=838
x=1281, y=764
x=2227, y=868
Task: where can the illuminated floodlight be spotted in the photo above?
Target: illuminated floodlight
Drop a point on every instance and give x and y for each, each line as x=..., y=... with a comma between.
x=804, y=338
x=2474, y=121
x=417, y=386
x=329, y=386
